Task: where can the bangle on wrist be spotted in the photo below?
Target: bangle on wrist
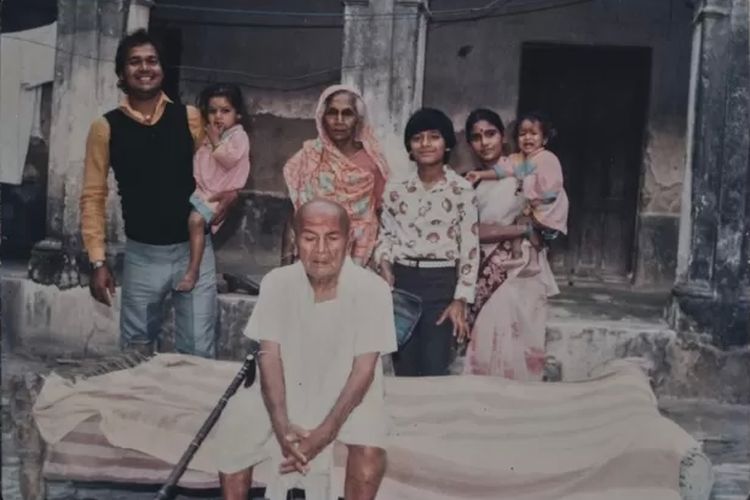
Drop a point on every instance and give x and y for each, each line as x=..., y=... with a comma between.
x=499, y=171
x=97, y=264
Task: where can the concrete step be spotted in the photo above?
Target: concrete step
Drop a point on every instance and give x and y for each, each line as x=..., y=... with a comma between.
x=42, y=320
x=586, y=327
x=591, y=325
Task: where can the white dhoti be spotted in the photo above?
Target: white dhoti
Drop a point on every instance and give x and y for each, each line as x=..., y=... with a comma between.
x=319, y=342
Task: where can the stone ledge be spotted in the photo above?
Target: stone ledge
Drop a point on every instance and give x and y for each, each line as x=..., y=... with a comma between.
x=49, y=322
x=683, y=365
x=581, y=345
x=46, y=321
x=687, y=366
x=698, y=309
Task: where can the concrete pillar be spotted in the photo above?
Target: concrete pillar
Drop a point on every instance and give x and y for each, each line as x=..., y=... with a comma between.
x=712, y=292
x=383, y=57
x=85, y=87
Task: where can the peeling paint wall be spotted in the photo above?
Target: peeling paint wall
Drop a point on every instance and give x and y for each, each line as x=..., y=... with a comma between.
x=384, y=46
x=663, y=166
x=23, y=208
x=478, y=64
x=282, y=64
x=84, y=89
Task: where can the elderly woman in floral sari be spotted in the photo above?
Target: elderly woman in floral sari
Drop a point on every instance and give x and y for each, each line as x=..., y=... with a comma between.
x=509, y=313
x=343, y=164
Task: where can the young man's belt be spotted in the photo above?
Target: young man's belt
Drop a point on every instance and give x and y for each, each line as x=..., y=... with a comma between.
x=425, y=263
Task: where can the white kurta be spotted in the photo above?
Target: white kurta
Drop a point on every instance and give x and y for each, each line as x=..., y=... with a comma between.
x=319, y=342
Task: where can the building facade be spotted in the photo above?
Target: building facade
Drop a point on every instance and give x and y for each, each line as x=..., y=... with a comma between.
x=649, y=99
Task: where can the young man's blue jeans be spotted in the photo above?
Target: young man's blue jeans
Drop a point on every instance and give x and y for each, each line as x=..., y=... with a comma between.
x=151, y=272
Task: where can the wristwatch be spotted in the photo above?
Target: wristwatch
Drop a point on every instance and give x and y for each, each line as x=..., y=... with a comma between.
x=97, y=264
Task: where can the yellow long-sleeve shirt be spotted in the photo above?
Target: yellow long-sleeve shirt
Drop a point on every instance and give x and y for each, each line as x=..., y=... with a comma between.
x=96, y=169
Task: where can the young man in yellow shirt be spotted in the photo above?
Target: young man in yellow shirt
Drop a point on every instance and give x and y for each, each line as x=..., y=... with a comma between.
x=149, y=143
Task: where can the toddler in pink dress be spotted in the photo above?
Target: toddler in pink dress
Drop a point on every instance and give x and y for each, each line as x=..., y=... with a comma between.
x=221, y=163
x=540, y=181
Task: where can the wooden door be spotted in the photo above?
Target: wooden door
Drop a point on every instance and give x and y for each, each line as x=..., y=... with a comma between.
x=597, y=99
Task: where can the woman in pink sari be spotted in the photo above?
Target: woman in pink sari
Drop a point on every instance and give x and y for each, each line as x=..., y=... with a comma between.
x=509, y=314
x=344, y=164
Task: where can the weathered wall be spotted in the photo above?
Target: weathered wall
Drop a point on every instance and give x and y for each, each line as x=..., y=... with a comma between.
x=46, y=321
x=712, y=290
x=489, y=75
x=84, y=88
x=23, y=209
x=583, y=333
x=282, y=64
x=384, y=57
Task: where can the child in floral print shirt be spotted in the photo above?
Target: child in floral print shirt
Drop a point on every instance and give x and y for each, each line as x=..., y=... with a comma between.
x=429, y=244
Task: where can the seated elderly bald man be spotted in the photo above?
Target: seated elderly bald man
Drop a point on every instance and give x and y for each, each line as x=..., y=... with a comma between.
x=323, y=324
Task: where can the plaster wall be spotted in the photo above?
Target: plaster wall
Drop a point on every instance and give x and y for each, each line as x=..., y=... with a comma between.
x=478, y=64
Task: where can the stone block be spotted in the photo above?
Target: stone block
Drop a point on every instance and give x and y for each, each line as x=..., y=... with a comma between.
x=579, y=346
x=250, y=241
x=681, y=365
x=234, y=313
x=727, y=318
x=47, y=321
x=231, y=343
x=657, y=250
x=47, y=261
x=28, y=443
x=694, y=368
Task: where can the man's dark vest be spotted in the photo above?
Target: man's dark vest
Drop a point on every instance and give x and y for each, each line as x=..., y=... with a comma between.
x=153, y=165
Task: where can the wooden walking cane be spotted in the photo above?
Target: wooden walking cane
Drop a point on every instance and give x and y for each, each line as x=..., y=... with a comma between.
x=246, y=374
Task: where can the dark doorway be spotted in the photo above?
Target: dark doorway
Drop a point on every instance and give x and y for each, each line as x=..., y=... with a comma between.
x=170, y=36
x=20, y=15
x=597, y=99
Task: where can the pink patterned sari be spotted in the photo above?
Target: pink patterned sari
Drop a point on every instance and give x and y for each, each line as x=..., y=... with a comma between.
x=509, y=314
x=319, y=169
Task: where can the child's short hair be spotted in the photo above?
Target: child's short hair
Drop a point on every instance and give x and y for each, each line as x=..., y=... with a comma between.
x=430, y=119
x=540, y=117
x=230, y=92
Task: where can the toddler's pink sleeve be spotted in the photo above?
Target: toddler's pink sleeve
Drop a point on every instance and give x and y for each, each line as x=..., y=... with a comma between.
x=546, y=182
x=234, y=151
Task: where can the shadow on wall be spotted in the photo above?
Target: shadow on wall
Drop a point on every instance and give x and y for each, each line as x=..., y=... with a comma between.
x=273, y=141
x=24, y=207
x=249, y=243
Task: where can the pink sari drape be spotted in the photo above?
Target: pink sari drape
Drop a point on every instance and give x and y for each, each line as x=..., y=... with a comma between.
x=319, y=169
x=510, y=311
